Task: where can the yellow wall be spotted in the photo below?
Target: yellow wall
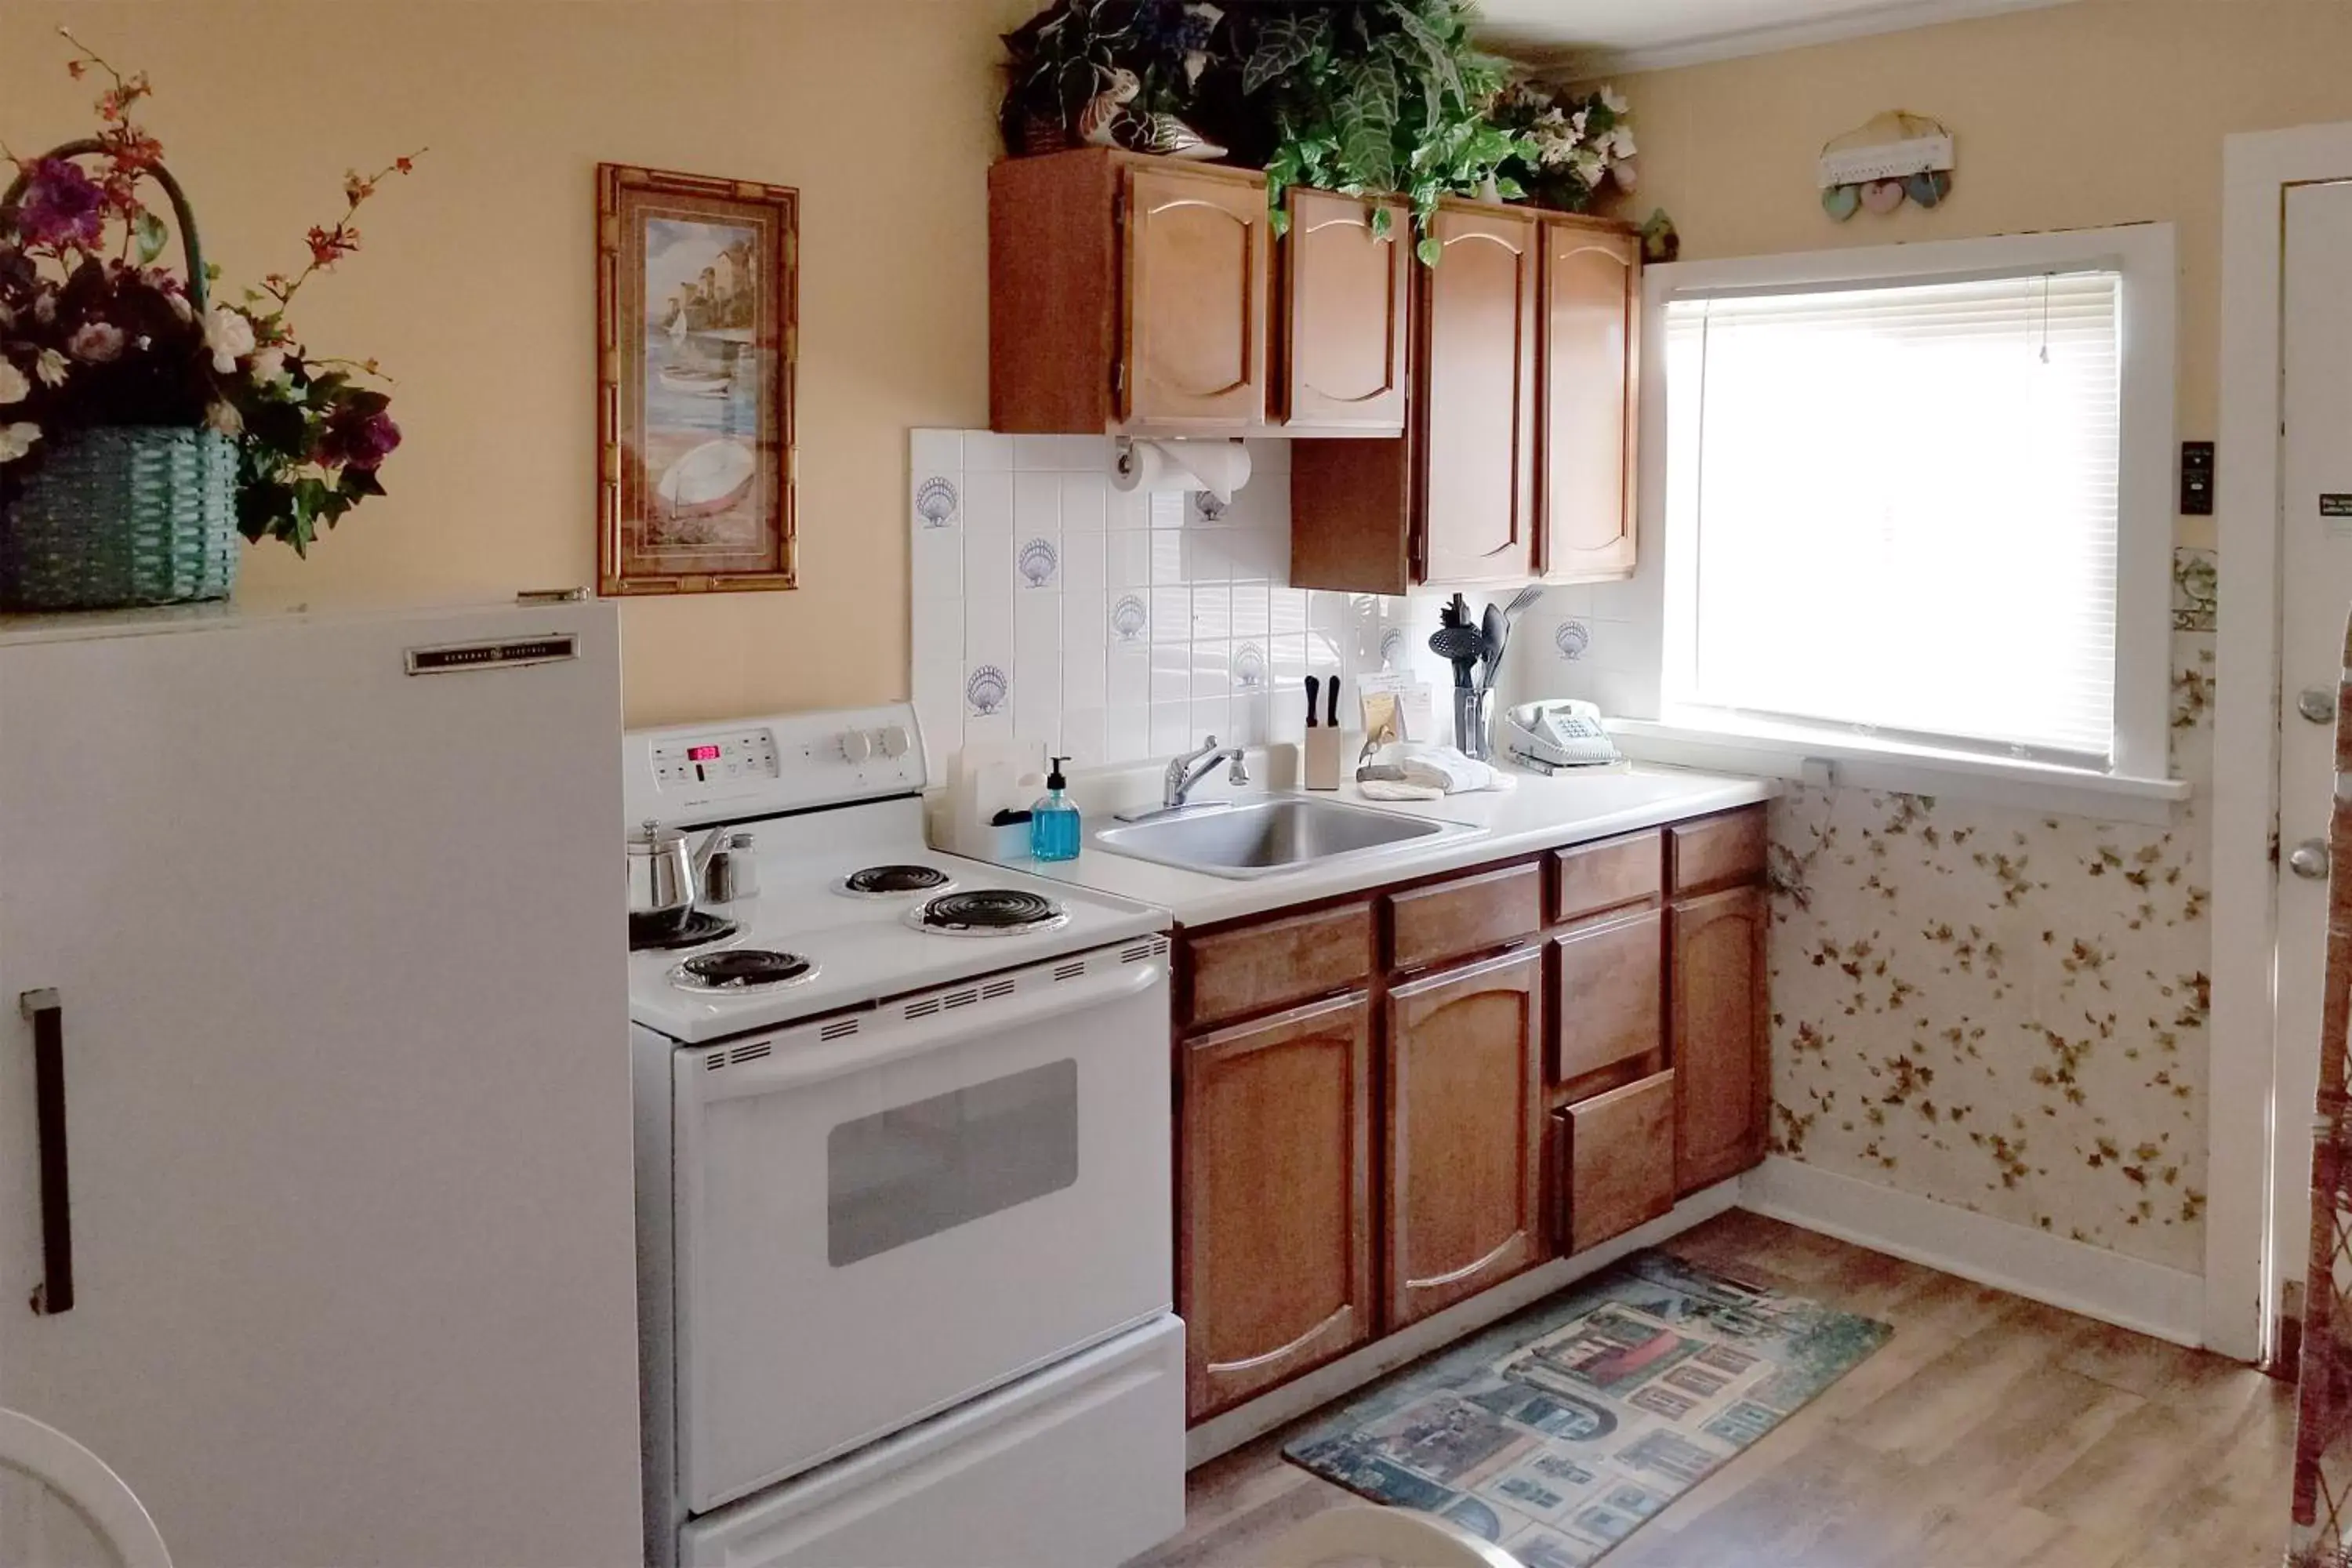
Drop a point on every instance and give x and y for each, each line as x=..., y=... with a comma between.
x=476, y=287
x=2099, y=112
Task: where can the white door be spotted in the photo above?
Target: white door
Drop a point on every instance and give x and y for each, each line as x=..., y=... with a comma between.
x=340, y=956
x=2316, y=520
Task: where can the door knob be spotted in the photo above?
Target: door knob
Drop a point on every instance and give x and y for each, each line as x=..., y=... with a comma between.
x=2316, y=703
x=2309, y=859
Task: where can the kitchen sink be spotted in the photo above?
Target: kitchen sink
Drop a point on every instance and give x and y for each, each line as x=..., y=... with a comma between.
x=1274, y=833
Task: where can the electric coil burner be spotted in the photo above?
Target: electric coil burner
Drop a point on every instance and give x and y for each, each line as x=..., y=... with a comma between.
x=701, y=927
x=988, y=912
x=876, y=881
x=739, y=970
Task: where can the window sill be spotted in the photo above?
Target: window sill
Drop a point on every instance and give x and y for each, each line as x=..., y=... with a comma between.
x=1856, y=764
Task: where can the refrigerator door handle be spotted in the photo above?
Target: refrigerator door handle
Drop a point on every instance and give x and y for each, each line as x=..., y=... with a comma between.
x=54, y=1293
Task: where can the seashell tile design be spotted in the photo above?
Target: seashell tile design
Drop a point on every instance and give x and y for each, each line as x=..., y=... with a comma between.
x=987, y=689
x=935, y=502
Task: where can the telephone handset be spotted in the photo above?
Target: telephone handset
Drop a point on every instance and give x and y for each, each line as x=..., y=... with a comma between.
x=1563, y=733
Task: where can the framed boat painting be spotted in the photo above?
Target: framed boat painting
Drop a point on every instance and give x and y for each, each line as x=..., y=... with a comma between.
x=697, y=330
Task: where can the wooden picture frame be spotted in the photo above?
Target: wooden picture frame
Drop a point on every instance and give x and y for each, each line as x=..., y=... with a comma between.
x=697, y=336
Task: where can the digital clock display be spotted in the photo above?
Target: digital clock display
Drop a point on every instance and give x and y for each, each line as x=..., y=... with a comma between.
x=702, y=754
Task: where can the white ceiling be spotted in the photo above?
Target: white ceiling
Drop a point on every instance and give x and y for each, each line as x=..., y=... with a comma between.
x=1597, y=36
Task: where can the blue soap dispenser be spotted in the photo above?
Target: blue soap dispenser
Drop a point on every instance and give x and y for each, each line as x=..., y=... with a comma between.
x=1054, y=821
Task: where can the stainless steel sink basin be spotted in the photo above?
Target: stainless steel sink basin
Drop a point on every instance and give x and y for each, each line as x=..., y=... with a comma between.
x=1273, y=833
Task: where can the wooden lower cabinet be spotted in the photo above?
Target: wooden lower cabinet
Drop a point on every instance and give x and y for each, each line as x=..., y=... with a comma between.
x=1383, y=1109
x=1615, y=1156
x=1718, y=1019
x=1463, y=1133
x=1274, y=1230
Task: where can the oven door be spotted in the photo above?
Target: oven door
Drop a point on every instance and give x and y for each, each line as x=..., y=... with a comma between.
x=882, y=1214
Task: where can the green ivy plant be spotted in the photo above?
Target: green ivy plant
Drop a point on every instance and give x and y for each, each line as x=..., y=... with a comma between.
x=1379, y=97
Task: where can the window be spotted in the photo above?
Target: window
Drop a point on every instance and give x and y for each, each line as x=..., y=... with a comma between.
x=1916, y=499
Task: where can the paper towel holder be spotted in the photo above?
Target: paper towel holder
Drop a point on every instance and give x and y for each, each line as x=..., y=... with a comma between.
x=1216, y=466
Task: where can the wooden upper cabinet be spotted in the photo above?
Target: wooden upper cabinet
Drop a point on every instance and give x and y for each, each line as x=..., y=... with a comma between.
x=1347, y=317
x=1463, y=1133
x=1197, y=265
x=1592, y=298
x=1274, y=1237
x=1475, y=414
x=1127, y=293
x=1717, y=1022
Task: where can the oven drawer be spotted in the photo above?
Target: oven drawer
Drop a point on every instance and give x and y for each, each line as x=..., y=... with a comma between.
x=1080, y=1466
x=849, y=1189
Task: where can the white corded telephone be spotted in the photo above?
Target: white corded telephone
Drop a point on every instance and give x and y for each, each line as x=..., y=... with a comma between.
x=1565, y=733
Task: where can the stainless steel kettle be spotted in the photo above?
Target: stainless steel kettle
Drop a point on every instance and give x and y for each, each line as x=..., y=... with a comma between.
x=662, y=873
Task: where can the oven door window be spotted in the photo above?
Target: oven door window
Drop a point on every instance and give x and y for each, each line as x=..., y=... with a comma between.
x=917, y=1169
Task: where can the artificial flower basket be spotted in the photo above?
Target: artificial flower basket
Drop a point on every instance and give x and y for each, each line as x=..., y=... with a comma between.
x=145, y=425
x=123, y=514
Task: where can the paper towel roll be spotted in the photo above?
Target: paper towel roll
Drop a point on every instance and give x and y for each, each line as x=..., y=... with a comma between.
x=1139, y=466
x=1219, y=467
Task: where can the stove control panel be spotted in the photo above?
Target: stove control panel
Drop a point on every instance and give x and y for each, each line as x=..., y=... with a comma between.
x=697, y=773
x=735, y=754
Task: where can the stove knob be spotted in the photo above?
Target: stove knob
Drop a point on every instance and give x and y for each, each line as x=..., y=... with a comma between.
x=856, y=745
x=896, y=742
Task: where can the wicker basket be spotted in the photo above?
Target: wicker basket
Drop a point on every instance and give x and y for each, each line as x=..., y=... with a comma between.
x=123, y=515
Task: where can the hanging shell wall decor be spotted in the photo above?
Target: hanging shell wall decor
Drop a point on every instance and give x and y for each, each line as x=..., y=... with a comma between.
x=1893, y=158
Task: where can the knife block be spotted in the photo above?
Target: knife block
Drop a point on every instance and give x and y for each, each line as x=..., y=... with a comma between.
x=1324, y=761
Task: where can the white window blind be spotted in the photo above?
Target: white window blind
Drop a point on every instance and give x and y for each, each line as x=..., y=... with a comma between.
x=1900, y=504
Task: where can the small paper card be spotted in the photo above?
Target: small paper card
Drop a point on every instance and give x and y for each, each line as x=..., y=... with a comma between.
x=1416, y=703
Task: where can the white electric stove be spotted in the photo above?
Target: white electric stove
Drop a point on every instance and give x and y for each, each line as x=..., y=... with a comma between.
x=903, y=1144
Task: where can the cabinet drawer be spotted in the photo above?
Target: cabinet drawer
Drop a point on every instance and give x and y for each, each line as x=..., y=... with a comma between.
x=1718, y=851
x=1589, y=878
x=1609, y=988
x=1470, y=914
x=1252, y=968
x=1614, y=1162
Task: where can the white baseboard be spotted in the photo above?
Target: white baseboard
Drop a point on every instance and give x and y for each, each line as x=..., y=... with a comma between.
x=2126, y=1291
x=1221, y=1434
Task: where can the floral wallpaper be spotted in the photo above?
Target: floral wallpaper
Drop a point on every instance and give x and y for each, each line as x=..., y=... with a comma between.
x=2004, y=1010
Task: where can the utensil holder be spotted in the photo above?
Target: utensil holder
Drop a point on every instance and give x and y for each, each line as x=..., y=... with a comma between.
x=1474, y=713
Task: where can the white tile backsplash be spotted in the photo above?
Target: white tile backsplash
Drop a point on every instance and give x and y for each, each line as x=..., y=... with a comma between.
x=1116, y=626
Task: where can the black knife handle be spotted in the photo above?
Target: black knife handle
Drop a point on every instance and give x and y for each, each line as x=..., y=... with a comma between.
x=54, y=1293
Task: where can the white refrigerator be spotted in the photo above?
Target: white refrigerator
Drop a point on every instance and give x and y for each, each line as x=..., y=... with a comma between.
x=318, y=922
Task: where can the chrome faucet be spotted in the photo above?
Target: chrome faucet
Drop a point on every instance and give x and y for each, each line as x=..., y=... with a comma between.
x=1185, y=771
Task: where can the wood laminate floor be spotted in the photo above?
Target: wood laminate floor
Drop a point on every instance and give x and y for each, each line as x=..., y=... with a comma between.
x=1990, y=1431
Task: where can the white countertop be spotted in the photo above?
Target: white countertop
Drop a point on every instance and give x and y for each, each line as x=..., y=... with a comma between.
x=1540, y=813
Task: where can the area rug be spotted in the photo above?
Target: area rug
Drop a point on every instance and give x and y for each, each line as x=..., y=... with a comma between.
x=1556, y=1433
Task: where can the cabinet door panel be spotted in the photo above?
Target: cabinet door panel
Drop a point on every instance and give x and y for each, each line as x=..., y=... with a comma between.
x=1463, y=1133
x=1590, y=292
x=1718, y=851
x=1467, y=915
x=1617, y=1161
x=1722, y=1070
x=1346, y=295
x=1609, y=1001
x=1592, y=879
x=1196, y=274
x=1477, y=408
x=1269, y=1290
x=1252, y=968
